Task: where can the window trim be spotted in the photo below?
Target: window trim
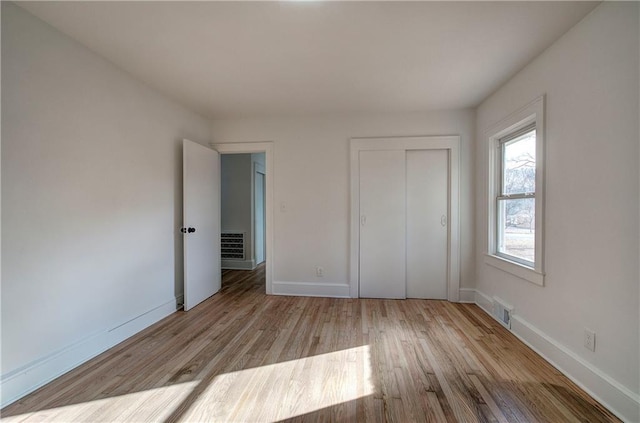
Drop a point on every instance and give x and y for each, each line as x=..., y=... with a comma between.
x=509, y=128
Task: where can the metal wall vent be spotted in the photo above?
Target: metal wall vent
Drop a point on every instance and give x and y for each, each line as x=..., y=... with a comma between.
x=232, y=245
x=502, y=312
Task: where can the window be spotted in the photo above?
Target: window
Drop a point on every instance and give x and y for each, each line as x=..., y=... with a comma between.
x=516, y=199
x=516, y=194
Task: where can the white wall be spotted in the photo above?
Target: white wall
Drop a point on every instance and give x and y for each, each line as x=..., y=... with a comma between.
x=91, y=194
x=590, y=77
x=311, y=176
x=236, y=180
x=236, y=192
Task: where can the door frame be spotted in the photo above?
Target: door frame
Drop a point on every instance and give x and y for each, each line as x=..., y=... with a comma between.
x=267, y=148
x=450, y=143
x=258, y=168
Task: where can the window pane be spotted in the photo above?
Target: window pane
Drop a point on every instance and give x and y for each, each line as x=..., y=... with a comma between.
x=516, y=228
x=519, y=164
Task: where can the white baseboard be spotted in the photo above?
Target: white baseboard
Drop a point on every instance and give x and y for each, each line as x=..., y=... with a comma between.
x=467, y=295
x=309, y=289
x=616, y=397
x=484, y=302
x=238, y=264
x=20, y=382
x=613, y=395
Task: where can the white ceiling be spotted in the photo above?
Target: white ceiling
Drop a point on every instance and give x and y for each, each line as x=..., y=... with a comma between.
x=239, y=59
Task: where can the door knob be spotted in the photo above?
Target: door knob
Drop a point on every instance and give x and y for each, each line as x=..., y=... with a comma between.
x=183, y=230
x=191, y=230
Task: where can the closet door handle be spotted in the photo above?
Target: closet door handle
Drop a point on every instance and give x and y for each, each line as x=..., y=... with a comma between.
x=443, y=220
x=363, y=220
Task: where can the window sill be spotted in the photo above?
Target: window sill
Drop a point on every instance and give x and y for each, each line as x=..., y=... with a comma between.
x=519, y=270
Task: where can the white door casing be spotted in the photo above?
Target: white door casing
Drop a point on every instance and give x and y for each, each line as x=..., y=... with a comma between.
x=201, y=223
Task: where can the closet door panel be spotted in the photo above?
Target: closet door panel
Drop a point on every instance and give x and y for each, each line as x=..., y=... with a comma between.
x=427, y=223
x=382, y=264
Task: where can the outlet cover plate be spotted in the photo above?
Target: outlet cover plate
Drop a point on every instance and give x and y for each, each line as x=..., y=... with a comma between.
x=589, y=339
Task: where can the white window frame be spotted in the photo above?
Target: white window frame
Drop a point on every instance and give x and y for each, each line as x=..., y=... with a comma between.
x=531, y=113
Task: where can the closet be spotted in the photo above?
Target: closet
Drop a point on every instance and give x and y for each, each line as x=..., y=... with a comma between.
x=404, y=205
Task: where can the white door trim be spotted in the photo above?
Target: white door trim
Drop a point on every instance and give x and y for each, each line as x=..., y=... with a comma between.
x=450, y=143
x=258, y=168
x=267, y=148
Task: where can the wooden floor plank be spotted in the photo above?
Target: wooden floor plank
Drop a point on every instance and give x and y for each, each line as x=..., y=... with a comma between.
x=247, y=357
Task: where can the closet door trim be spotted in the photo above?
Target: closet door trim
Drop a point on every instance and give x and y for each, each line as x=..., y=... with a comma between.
x=450, y=143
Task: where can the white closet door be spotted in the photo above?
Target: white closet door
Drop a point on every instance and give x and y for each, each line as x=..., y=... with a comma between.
x=382, y=224
x=427, y=222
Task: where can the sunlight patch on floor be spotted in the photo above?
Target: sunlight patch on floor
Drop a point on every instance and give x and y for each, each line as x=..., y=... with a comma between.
x=288, y=389
x=150, y=405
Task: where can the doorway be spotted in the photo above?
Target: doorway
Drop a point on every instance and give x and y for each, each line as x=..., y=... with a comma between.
x=242, y=179
x=265, y=149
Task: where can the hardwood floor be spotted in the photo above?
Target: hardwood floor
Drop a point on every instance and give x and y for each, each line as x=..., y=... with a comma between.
x=245, y=356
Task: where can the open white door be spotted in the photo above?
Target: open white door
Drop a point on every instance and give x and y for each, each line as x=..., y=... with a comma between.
x=201, y=222
x=259, y=212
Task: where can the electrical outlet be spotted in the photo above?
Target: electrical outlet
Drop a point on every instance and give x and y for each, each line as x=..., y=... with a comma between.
x=589, y=339
x=319, y=271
